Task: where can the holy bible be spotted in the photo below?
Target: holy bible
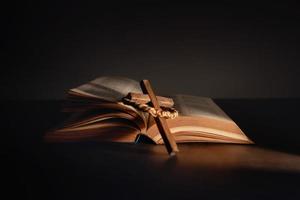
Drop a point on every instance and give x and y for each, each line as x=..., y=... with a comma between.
x=98, y=112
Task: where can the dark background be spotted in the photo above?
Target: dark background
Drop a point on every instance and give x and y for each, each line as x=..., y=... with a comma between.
x=226, y=50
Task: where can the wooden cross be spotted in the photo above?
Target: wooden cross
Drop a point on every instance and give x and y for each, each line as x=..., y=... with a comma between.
x=161, y=123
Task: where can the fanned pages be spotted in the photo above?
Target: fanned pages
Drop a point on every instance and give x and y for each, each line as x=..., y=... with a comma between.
x=98, y=113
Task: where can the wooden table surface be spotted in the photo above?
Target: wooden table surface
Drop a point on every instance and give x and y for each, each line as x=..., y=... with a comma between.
x=32, y=169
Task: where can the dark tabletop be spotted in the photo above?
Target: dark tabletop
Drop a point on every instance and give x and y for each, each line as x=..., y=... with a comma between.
x=270, y=169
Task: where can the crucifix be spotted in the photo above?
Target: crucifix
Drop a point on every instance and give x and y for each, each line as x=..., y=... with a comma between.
x=161, y=108
x=161, y=122
x=142, y=100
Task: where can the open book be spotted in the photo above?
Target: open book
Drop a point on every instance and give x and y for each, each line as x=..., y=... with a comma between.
x=98, y=113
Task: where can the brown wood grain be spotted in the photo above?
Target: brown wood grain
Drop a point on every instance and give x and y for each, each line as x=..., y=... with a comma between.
x=144, y=98
x=162, y=125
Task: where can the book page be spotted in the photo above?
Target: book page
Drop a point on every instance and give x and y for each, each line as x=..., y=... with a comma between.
x=200, y=120
x=111, y=130
x=198, y=106
x=108, y=88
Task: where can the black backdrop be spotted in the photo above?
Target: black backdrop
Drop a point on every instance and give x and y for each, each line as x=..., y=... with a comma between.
x=224, y=50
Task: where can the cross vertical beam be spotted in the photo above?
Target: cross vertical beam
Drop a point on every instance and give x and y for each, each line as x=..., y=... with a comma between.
x=161, y=123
